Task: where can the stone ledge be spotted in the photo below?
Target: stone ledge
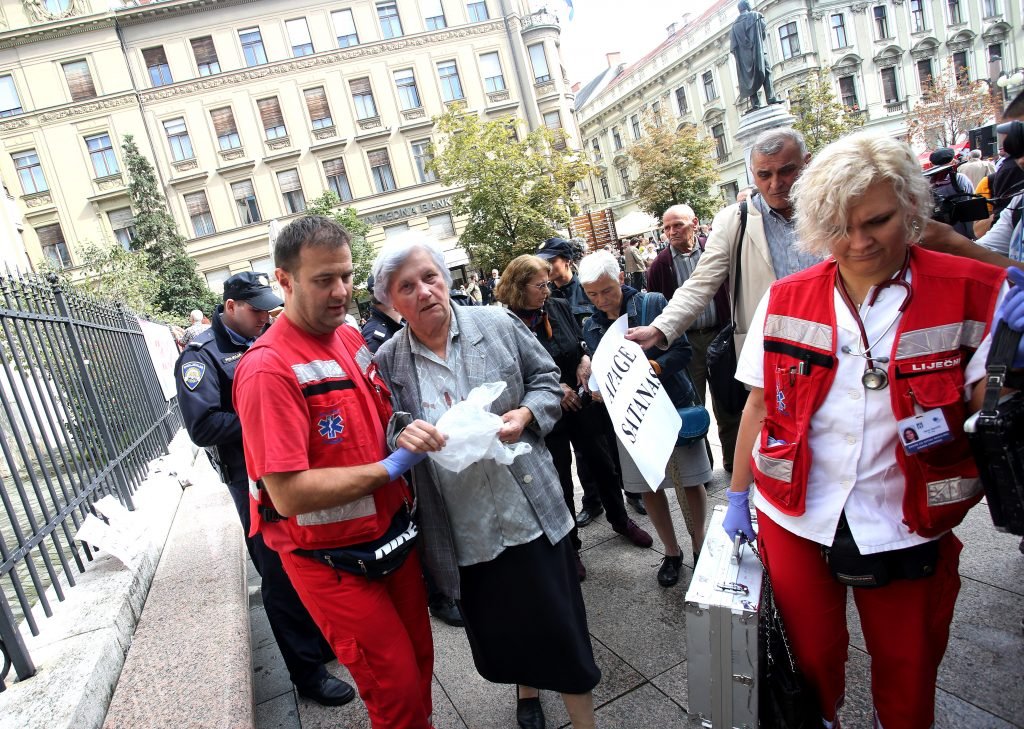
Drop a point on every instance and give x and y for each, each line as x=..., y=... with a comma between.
x=190, y=662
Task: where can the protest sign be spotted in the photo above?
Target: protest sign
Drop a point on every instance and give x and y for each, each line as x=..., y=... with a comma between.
x=643, y=416
x=163, y=352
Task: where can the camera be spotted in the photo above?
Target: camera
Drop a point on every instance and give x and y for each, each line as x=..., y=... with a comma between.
x=952, y=205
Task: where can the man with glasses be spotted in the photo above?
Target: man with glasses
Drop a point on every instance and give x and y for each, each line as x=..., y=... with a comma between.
x=204, y=375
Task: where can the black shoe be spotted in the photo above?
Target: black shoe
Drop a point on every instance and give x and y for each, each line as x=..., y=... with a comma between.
x=638, y=505
x=327, y=690
x=529, y=713
x=588, y=515
x=668, y=575
x=448, y=612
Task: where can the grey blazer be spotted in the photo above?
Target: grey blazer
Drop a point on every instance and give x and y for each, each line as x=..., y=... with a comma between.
x=495, y=346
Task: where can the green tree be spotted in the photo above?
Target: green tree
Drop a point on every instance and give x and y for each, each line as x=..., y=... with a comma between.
x=673, y=167
x=179, y=288
x=820, y=116
x=363, y=253
x=515, y=193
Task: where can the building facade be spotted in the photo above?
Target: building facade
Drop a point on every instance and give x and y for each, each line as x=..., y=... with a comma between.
x=249, y=109
x=880, y=53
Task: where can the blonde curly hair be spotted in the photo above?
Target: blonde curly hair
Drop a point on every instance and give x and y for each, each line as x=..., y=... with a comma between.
x=841, y=173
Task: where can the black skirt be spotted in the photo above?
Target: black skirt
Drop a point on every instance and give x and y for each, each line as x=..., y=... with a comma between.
x=526, y=621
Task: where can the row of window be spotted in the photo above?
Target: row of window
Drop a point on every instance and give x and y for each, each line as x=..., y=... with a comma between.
x=80, y=83
x=301, y=43
x=956, y=14
x=243, y=192
x=441, y=227
x=104, y=162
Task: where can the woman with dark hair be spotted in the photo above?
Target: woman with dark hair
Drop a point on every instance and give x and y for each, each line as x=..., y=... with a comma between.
x=524, y=290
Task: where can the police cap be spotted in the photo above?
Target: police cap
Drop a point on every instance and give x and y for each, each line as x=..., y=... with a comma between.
x=555, y=248
x=252, y=288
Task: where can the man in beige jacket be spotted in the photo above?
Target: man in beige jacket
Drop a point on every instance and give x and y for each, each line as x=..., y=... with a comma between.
x=777, y=158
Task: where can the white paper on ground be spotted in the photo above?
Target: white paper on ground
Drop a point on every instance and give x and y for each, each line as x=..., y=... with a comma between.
x=643, y=416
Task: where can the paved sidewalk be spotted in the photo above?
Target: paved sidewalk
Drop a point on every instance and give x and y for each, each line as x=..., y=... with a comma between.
x=639, y=639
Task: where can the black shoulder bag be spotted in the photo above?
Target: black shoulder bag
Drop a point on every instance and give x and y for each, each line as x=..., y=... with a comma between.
x=721, y=355
x=996, y=435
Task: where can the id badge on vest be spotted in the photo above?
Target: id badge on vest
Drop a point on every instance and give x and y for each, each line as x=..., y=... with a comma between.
x=921, y=432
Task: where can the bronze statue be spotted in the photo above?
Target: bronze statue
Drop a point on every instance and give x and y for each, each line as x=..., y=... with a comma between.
x=747, y=44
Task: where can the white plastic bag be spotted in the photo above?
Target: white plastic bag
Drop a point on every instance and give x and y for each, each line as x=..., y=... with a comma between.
x=472, y=432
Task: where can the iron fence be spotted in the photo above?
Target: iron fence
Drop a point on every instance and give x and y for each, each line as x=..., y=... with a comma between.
x=81, y=416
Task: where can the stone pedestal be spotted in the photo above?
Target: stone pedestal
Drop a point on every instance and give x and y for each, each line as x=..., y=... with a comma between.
x=757, y=121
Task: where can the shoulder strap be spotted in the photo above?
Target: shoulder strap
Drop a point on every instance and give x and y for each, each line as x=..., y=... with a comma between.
x=1000, y=358
x=739, y=258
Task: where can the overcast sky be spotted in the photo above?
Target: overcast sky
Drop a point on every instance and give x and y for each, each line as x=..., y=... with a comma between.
x=632, y=27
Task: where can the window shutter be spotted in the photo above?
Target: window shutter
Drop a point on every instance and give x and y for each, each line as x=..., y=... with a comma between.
x=316, y=102
x=289, y=180
x=360, y=86
x=122, y=218
x=154, y=56
x=242, y=190
x=50, y=235
x=204, y=50
x=270, y=113
x=79, y=80
x=378, y=158
x=334, y=167
x=196, y=203
x=223, y=121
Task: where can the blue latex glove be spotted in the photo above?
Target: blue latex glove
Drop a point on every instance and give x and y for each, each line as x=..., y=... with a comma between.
x=737, y=516
x=1011, y=310
x=401, y=461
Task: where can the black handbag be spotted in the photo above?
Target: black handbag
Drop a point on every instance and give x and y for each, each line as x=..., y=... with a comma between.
x=729, y=393
x=996, y=435
x=785, y=699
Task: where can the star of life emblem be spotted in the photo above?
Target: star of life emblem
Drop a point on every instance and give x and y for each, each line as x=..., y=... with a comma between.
x=330, y=426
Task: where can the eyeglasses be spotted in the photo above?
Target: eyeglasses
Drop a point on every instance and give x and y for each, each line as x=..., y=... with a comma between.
x=539, y=287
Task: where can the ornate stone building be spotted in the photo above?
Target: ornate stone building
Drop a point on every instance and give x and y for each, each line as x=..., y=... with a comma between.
x=249, y=109
x=880, y=52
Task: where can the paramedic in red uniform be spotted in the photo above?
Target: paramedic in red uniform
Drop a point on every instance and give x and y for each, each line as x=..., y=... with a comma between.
x=325, y=492
x=842, y=358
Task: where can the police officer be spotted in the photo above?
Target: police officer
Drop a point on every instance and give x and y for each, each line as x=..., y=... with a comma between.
x=204, y=374
x=382, y=323
x=380, y=326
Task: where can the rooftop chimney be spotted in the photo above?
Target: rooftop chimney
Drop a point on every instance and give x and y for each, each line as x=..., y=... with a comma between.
x=613, y=58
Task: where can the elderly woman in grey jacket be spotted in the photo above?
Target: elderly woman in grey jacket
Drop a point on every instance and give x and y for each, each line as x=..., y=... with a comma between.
x=495, y=537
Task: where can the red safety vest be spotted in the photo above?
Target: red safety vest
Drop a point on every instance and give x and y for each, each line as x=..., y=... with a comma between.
x=348, y=406
x=945, y=322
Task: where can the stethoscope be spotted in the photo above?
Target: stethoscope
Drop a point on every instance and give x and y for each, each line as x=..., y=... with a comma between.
x=874, y=377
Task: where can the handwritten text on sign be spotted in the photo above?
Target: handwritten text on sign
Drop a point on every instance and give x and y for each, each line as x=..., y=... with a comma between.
x=645, y=420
